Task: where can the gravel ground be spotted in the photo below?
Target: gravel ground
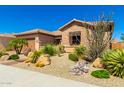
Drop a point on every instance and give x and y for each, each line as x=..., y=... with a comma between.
x=61, y=66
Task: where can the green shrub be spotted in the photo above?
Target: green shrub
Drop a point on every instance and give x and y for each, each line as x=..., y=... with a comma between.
x=49, y=49
x=8, y=49
x=73, y=57
x=35, y=56
x=14, y=57
x=100, y=74
x=79, y=51
x=114, y=62
x=2, y=52
x=61, y=48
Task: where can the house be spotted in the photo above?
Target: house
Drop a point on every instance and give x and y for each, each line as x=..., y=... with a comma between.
x=115, y=44
x=72, y=33
x=4, y=40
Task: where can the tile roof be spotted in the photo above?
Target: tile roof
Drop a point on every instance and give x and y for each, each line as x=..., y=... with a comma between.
x=57, y=33
x=33, y=32
x=7, y=35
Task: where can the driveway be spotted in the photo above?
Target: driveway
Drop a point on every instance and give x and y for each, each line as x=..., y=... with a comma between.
x=16, y=77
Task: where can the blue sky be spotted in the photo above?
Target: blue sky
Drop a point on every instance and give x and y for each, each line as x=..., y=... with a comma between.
x=15, y=19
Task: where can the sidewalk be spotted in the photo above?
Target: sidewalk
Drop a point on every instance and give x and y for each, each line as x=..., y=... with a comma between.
x=16, y=77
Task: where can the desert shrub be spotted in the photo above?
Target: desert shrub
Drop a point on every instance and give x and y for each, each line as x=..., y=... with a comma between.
x=73, y=57
x=8, y=49
x=2, y=52
x=49, y=49
x=61, y=48
x=114, y=62
x=79, y=51
x=100, y=74
x=35, y=56
x=13, y=57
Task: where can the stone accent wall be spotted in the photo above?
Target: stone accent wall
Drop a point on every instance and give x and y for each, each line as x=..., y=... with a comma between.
x=73, y=28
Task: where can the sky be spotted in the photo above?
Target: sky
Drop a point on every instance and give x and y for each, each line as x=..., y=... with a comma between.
x=15, y=19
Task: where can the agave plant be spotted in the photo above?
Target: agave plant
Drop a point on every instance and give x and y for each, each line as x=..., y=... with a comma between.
x=114, y=62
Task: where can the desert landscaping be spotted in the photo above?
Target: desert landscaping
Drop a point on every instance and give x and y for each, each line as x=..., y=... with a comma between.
x=92, y=59
x=61, y=66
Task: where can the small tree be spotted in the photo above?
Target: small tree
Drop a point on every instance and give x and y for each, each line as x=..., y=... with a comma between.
x=18, y=44
x=99, y=37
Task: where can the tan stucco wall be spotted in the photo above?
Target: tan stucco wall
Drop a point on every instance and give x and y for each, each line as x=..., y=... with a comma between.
x=37, y=40
x=73, y=28
x=44, y=39
x=4, y=42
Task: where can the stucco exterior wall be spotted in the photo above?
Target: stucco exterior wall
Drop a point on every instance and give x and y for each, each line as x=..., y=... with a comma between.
x=37, y=40
x=4, y=42
x=44, y=39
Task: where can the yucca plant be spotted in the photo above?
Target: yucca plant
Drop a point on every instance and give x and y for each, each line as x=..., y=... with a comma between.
x=114, y=62
x=35, y=56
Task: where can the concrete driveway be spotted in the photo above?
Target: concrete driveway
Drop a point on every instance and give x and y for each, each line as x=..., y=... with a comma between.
x=16, y=77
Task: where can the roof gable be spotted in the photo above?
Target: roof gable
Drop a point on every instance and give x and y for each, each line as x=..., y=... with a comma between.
x=75, y=22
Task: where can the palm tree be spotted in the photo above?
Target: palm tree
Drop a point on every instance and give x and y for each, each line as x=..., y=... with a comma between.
x=18, y=44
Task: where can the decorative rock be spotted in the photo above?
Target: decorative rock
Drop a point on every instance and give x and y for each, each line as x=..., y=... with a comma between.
x=40, y=64
x=45, y=59
x=26, y=51
x=97, y=63
x=4, y=57
x=22, y=58
x=80, y=68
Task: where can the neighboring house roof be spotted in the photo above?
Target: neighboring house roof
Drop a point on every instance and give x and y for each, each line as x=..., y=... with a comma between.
x=34, y=31
x=7, y=35
x=72, y=21
x=114, y=41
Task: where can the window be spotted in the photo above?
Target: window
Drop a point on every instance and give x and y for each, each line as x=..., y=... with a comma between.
x=75, y=38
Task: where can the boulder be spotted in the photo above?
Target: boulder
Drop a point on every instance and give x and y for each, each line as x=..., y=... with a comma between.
x=22, y=58
x=26, y=51
x=97, y=63
x=4, y=57
x=45, y=59
x=80, y=68
x=40, y=64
